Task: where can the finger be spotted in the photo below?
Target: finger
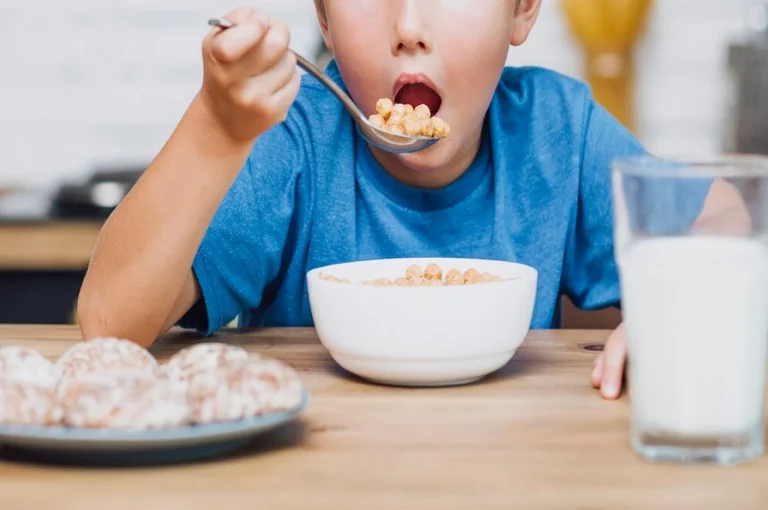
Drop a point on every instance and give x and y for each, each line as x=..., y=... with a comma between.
x=244, y=14
x=284, y=97
x=615, y=356
x=263, y=86
x=270, y=51
x=262, y=57
x=238, y=16
x=597, y=370
x=274, y=90
x=234, y=43
x=281, y=74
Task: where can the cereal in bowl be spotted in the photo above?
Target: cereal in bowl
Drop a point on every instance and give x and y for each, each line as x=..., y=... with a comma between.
x=431, y=276
x=26, y=365
x=332, y=278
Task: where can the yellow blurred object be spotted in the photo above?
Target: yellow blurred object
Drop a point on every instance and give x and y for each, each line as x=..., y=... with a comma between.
x=608, y=31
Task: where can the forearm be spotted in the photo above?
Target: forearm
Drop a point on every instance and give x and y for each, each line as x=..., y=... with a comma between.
x=145, y=251
x=725, y=211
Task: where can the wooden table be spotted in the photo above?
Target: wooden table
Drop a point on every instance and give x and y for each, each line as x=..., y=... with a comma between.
x=533, y=436
x=50, y=246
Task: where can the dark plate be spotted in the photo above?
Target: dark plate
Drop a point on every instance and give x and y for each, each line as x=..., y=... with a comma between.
x=117, y=447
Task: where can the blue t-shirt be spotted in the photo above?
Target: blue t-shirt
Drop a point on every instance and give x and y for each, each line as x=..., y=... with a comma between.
x=312, y=194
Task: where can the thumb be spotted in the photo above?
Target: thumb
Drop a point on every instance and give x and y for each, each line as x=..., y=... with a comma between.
x=614, y=359
x=597, y=370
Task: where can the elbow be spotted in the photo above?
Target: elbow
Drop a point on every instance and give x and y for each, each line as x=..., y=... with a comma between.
x=96, y=320
x=89, y=317
x=92, y=318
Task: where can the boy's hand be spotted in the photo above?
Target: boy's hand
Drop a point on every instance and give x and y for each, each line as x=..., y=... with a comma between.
x=250, y=77
x=608, y=370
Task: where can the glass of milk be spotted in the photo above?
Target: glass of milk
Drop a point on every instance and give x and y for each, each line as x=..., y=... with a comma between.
x=691, y=243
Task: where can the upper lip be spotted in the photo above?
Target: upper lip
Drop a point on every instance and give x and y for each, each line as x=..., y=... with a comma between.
x=410, y=78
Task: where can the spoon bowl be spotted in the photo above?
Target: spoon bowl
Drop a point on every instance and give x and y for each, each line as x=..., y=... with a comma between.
x=380, y=138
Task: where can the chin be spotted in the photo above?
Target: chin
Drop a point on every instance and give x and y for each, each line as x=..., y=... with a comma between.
x=427, y=160
x=435, y=157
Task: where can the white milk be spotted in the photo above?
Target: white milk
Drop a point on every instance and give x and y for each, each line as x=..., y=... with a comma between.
x=696, y=312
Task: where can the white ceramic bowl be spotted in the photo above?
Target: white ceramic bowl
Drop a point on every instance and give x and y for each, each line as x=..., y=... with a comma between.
x=422, y=336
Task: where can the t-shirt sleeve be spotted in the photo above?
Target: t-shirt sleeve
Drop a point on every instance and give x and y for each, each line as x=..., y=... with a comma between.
x=243, y=248
x=590, y=272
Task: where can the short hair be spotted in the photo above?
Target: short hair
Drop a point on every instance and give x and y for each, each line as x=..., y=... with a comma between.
x=321, y=5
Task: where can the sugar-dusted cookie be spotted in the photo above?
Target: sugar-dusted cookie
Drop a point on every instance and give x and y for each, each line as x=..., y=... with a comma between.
x=122, y=400
x=28, y=404
x=103, y=354
x=26, y=365
x=249, y=388
x=203, y=357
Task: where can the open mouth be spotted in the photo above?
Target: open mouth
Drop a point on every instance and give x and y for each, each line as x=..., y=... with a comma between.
x=413, y=91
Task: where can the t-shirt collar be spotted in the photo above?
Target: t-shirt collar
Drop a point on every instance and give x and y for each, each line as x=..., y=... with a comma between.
x=411, y=197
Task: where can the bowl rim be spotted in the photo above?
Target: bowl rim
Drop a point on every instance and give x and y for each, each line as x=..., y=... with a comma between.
x=529, y=273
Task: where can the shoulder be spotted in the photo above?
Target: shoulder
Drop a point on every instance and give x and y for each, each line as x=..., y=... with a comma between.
x=315, y=119
x=560, y=109
x=312, y=112
x=315, y=110
x=541, y=116
x=541, y=106
x=539, y=88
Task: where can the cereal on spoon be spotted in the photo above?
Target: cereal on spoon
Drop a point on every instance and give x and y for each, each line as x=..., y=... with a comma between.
x=404, y=119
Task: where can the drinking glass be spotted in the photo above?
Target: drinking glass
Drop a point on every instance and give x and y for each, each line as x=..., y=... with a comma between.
x=691, y=244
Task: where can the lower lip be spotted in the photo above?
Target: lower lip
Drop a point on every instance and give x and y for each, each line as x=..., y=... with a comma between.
x=430, y=104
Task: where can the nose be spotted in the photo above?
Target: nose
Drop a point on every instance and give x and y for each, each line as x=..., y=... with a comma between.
x=411, y=30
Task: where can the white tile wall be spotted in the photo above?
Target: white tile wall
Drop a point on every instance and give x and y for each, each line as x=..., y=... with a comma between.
x=682, y=69
x=87, y=82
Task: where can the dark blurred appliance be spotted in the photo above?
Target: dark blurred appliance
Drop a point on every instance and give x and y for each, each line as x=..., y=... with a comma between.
x=748, y=68
x=97, y=197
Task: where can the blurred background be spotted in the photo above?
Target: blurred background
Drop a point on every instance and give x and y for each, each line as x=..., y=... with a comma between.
x=90, y=90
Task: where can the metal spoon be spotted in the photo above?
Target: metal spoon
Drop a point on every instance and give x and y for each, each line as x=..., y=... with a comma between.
x=384, y=140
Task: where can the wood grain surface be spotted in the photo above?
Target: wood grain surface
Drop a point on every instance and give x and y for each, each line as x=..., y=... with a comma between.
x=533, y=436
x=47, y=246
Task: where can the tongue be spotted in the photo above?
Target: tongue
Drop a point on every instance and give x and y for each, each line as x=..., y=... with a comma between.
x=417, y=93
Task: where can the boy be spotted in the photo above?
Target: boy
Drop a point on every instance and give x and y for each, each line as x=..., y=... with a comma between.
x=265, y=177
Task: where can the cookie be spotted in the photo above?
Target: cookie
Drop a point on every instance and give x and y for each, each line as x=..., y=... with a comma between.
x=284, y=383
x=28, y=404
x=249, y=388
x=102, y=354
x=203, y=357
x=122, y=400
x=26, y=365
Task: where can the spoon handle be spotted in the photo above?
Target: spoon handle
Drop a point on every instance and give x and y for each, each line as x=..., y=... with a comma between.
x=311, y=69
x=332, y=86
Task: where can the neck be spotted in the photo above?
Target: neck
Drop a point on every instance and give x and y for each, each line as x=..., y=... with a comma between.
x=410, y=171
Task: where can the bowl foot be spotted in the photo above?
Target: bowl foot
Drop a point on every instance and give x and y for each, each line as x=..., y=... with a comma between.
x=420, y=384
x=431, y=373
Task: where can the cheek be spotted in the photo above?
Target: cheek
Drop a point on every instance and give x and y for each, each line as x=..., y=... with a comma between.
x=365, y=82
x=361, y=51
x=476, y=63
x=474, y=76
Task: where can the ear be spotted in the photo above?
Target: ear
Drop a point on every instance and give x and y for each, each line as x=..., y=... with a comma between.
x=322, y=18
x=526, y=13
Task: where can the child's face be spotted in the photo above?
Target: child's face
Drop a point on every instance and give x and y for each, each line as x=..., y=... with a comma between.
x=447, y=54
